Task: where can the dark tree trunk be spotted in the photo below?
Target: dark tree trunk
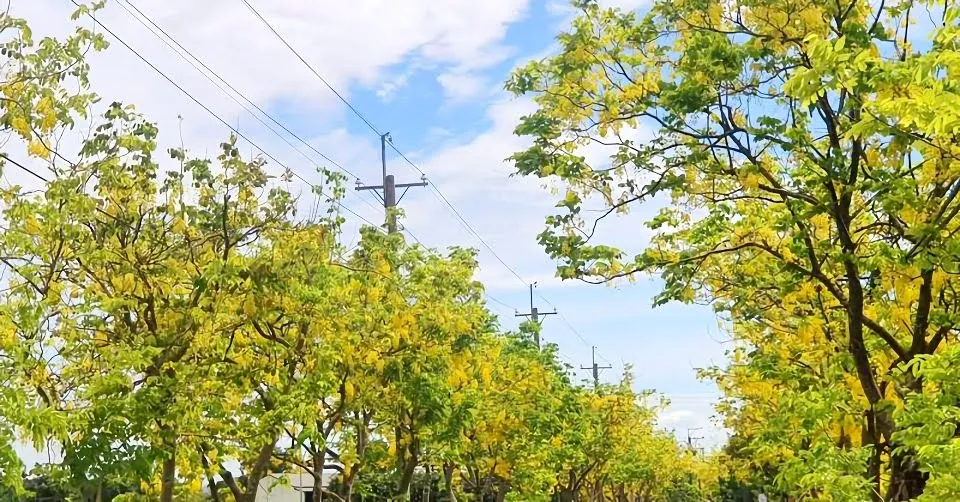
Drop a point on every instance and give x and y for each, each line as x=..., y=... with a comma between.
x=906, y=480
x=428, y=485
x=259, y=470
x=318, y=465
x=855, y=324
x=168, y=475
x=596, y=494
x=569, y=493
x=502, y=489
x=870, y=436
x=409, y=464
x=448, y=482
x=212, y=486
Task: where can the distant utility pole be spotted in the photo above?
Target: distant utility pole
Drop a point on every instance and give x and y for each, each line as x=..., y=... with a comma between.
x=389, y=187
x=535, y=314
x=596, y=369
x=691, y=439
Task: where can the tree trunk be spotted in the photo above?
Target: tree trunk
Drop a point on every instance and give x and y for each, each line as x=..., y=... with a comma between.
x=259, y=470
x=427, y=486
x=347, y=486
x=207, y=469
x=448, y=482
x=168, y=475
x=566, y=495
x=409, y=464
x=212, y=485
x=858, y=351
x=319, y=460
x=403, y=489
x=350, y=479
x=906, y=480
x=502, y=490
x=569, y=493
x=597, y=489
x=869, y=436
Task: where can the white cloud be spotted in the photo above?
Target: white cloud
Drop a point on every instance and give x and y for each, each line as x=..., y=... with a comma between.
x=474, y=175
x=673, y=416
x=458, y=87
x=389, y=88
x=347, y=42
x=350, y=44
x=481, y=162
x=693, y=416
x=438, y=134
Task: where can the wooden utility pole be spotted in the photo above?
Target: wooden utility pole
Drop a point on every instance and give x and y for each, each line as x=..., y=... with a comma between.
x=691, y=439
x=388, y=189
x=535, y=314
x=595, y=368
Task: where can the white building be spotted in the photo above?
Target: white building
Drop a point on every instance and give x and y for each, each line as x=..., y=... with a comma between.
x=290, y=487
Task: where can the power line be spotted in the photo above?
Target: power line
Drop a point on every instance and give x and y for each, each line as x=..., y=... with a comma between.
x=437, y=193
x=41, y=178
x=487, y=295
x=225, y=82
x=212, y=113
x=577, y=333
x=414, y=237
x=373, y=128
x=565, y=358
x=470, y=229
x=310, y=67
x=463, y=220
x=535, y=314
x=388, y=190
x=25, y=168
x=572, y=329
x=499, y=302
x=195, y=61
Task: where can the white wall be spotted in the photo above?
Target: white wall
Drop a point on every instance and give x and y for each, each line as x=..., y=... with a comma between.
x=274, y=489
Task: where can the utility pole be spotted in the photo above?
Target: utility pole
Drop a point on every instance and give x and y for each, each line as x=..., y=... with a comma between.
x=388, y=190
x=596, y=369
x=535, y=314
x=691, y=439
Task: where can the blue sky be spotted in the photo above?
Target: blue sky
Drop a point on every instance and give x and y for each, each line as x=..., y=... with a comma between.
x=431, y=73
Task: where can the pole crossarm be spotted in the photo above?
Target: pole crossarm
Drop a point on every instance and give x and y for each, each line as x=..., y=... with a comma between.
x=387, y=191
